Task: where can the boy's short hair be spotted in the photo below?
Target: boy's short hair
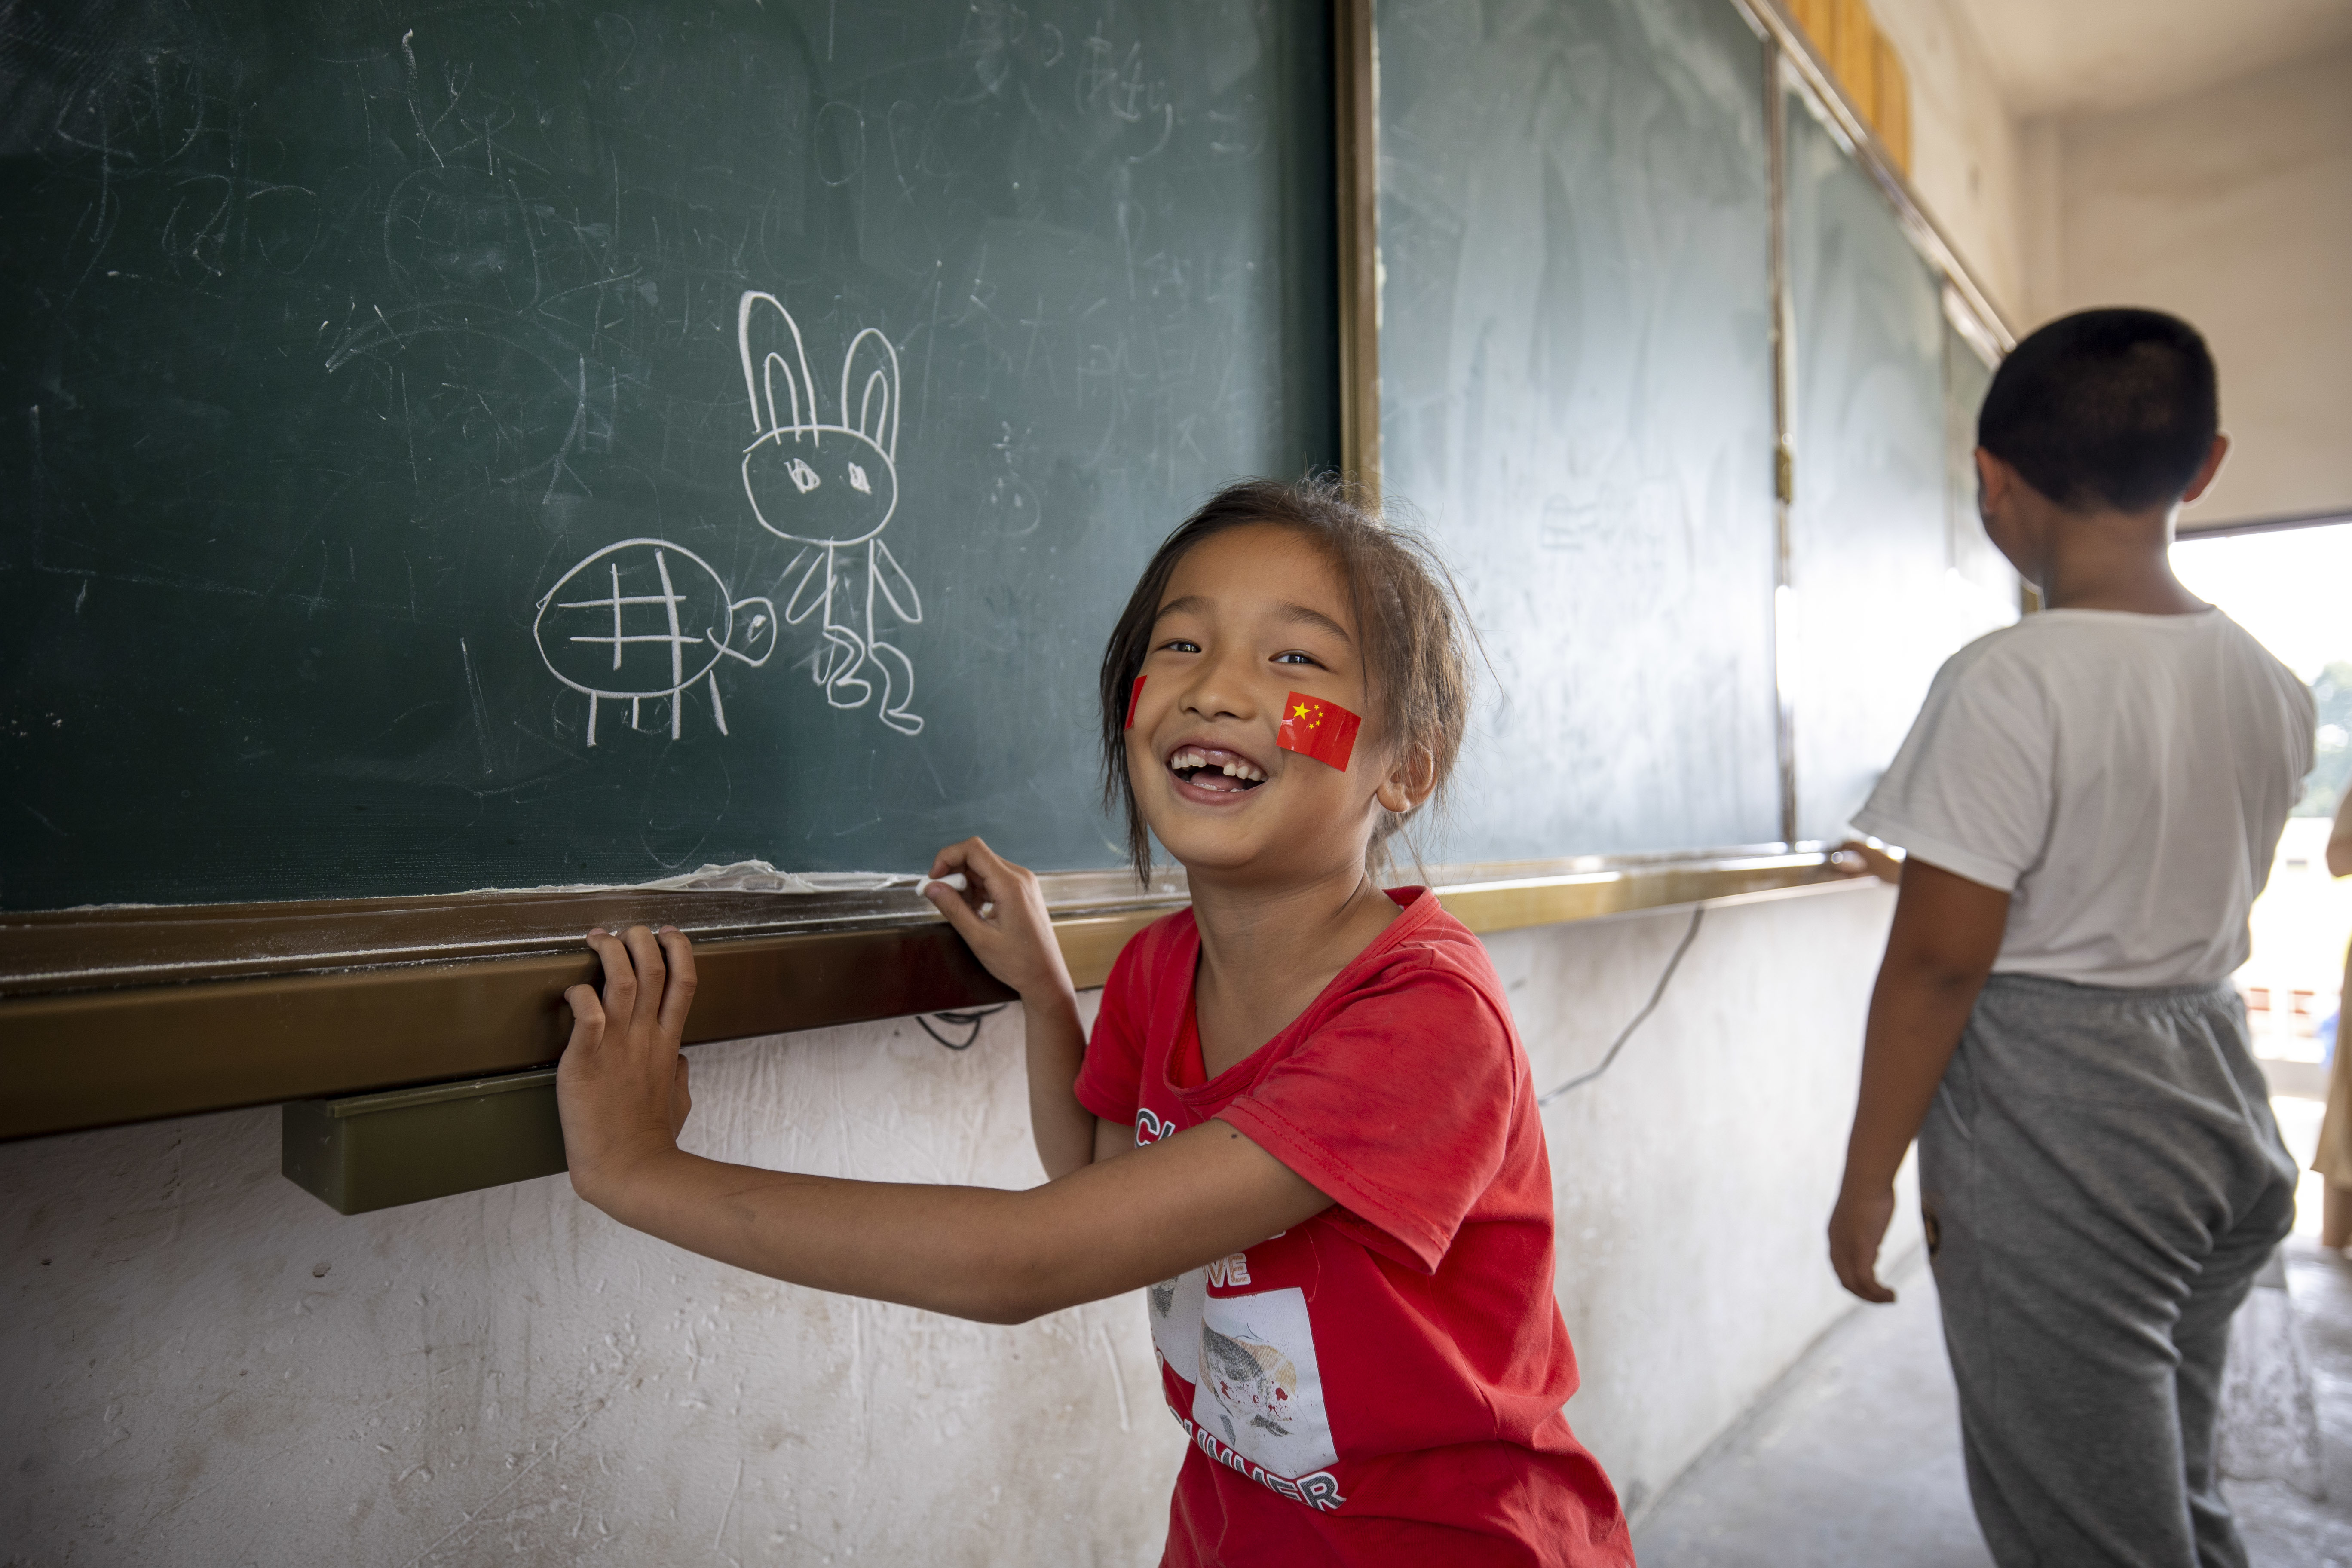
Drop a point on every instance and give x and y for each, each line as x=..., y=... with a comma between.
x=1407, y=614
x=2105, y=408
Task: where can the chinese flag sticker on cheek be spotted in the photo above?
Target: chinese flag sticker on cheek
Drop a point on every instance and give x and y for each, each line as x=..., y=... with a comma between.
x=1314, y=728
x=1134, y=696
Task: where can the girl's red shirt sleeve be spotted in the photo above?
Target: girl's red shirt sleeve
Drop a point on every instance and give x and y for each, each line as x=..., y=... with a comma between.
x=1397, y=1107
x=1112, y=1071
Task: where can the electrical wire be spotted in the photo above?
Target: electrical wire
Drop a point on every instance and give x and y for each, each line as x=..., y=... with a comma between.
x=971, y=1021
x=1657, y=994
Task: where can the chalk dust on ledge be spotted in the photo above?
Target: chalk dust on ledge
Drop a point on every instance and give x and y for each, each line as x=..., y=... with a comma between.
x=740, y=877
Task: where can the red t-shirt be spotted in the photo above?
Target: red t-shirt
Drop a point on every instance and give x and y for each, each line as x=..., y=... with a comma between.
x=1383, y=1384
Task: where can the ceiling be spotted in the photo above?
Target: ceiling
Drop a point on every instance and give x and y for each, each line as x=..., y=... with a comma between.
x=2073, y=57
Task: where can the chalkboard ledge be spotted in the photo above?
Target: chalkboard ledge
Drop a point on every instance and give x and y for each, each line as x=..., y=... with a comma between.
x=115, y=1016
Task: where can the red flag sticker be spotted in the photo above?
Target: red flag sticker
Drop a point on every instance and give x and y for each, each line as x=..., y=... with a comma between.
x=1314, y=728
x=1134, y=695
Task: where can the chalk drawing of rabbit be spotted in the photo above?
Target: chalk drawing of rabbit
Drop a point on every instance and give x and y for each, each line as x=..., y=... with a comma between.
x=831, y=487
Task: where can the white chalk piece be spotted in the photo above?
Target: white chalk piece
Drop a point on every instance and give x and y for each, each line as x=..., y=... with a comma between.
x=953, y=879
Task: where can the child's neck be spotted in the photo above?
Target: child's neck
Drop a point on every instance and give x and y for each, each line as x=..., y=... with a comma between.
x=1266, y=954
x=2114, y=560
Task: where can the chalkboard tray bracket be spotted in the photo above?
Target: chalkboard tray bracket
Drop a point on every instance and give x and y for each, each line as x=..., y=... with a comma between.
x=373, y=1151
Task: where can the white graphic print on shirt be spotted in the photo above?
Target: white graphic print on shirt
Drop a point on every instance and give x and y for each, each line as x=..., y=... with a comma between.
x=1259, y=1386
x=1176, y=1319
x=1251, y=1363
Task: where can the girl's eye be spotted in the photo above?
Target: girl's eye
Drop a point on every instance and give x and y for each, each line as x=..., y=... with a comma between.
x=1295, y=657
x=1180, y=645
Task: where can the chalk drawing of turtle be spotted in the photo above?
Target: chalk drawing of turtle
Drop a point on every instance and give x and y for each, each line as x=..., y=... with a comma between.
x=642, y=621
x=831, y=487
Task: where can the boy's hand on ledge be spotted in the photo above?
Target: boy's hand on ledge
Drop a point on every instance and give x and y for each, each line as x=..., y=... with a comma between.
x=1857, y=1225
x=1002, y=913
x=1855, y=858
x=621, y=1085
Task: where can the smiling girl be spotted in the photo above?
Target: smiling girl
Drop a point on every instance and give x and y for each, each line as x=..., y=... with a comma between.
x=1304, y=1121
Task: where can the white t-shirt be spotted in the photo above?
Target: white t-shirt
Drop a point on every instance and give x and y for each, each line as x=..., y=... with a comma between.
x=2124, y=777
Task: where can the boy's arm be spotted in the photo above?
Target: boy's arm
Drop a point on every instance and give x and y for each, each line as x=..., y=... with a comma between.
x=1945, y=935
x=993, y=1255
x=1015, y=940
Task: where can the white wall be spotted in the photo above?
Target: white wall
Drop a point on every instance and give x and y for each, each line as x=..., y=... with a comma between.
x=202, y=1364
x=2231, y=208
x=1694, y=1179
x=2230, y=205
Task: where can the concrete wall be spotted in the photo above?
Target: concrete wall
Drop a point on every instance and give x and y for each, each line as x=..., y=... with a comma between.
x=201, y=1365
x=2231, y=205
x=2231, y=208
x=1694, y=1179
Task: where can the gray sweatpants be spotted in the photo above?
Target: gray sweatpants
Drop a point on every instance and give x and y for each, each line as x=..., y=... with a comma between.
x=2102, y=1179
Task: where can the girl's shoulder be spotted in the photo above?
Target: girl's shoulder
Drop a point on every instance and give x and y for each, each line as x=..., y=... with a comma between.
x=1426, y=935
x=1425, y=959
x=1425, y=954
x=1163, y=950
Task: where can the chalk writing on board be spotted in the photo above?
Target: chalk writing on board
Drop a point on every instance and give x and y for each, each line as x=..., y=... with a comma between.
x=644, y=620
x=831, y=487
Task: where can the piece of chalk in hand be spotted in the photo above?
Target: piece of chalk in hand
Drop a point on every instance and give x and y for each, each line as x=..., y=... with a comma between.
x=953, y=879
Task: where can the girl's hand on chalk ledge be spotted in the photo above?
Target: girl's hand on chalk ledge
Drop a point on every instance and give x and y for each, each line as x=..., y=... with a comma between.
x=621, y=1085
x=1002, y=913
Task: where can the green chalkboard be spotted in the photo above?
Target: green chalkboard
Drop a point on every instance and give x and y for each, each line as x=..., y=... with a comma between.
x=532, y=443
x=1891, y=571
x=1576, y=358
x=1988, y=576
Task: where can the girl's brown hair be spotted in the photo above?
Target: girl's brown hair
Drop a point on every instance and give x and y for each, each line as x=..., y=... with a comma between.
x=1408, y=614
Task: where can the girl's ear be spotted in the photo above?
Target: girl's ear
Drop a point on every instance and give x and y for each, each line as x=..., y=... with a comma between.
x=869, y=390
x=1412, y=777
x=775, y=366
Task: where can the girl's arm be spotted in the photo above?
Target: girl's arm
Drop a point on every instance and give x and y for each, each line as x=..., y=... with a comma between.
x=980, y=1253
x=1015, y=940
x=1945, y=935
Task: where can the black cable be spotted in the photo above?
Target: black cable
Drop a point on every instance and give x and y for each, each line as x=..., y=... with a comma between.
x=971, y=1021
x=1656, y=994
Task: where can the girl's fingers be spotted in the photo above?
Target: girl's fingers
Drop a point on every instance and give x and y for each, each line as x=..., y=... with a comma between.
x=640, y=993
x=989, y=878
x=678, y=995
x=984, y=868
x=646, y=955
x=620, y=974
x=972, y=857
x=958, y=911
x=587, y=1018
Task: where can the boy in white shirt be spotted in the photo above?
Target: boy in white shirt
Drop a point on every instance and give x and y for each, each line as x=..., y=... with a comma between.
x=2089, y=801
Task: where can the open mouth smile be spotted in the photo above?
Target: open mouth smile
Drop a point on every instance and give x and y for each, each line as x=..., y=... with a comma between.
x=1214, y=771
